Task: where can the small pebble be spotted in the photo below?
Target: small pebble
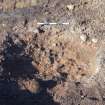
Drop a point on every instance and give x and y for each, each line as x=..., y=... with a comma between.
x=83, y=38
x=31, y=29
x=9, y=73
x=82, y=96
x=70, y=7
x=36, y=31
x=94, y=40
x=17, y=41
x=3, y=25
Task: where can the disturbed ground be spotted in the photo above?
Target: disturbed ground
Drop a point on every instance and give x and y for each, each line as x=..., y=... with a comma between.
x=52, y=64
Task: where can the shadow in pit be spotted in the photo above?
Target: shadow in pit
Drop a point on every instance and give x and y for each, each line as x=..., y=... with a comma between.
x=17, y=64
x=10, y=94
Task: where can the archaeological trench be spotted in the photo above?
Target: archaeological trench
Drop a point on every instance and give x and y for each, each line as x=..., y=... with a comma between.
x=52, y=64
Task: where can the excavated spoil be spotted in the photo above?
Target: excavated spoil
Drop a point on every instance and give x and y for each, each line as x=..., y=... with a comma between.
x=52, y=64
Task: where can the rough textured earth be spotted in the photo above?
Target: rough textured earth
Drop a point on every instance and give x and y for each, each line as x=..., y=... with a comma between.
x=52, y=64
x=9, y=5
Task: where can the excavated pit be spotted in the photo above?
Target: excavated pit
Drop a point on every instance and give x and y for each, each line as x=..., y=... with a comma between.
x=52, y=64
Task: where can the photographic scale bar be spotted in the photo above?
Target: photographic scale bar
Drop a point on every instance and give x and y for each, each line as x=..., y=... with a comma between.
x=53, y=23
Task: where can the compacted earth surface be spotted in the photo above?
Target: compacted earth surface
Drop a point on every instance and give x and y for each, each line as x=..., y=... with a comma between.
x=52, y=64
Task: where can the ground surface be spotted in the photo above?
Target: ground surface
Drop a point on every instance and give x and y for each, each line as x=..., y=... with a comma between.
x=52, y=64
